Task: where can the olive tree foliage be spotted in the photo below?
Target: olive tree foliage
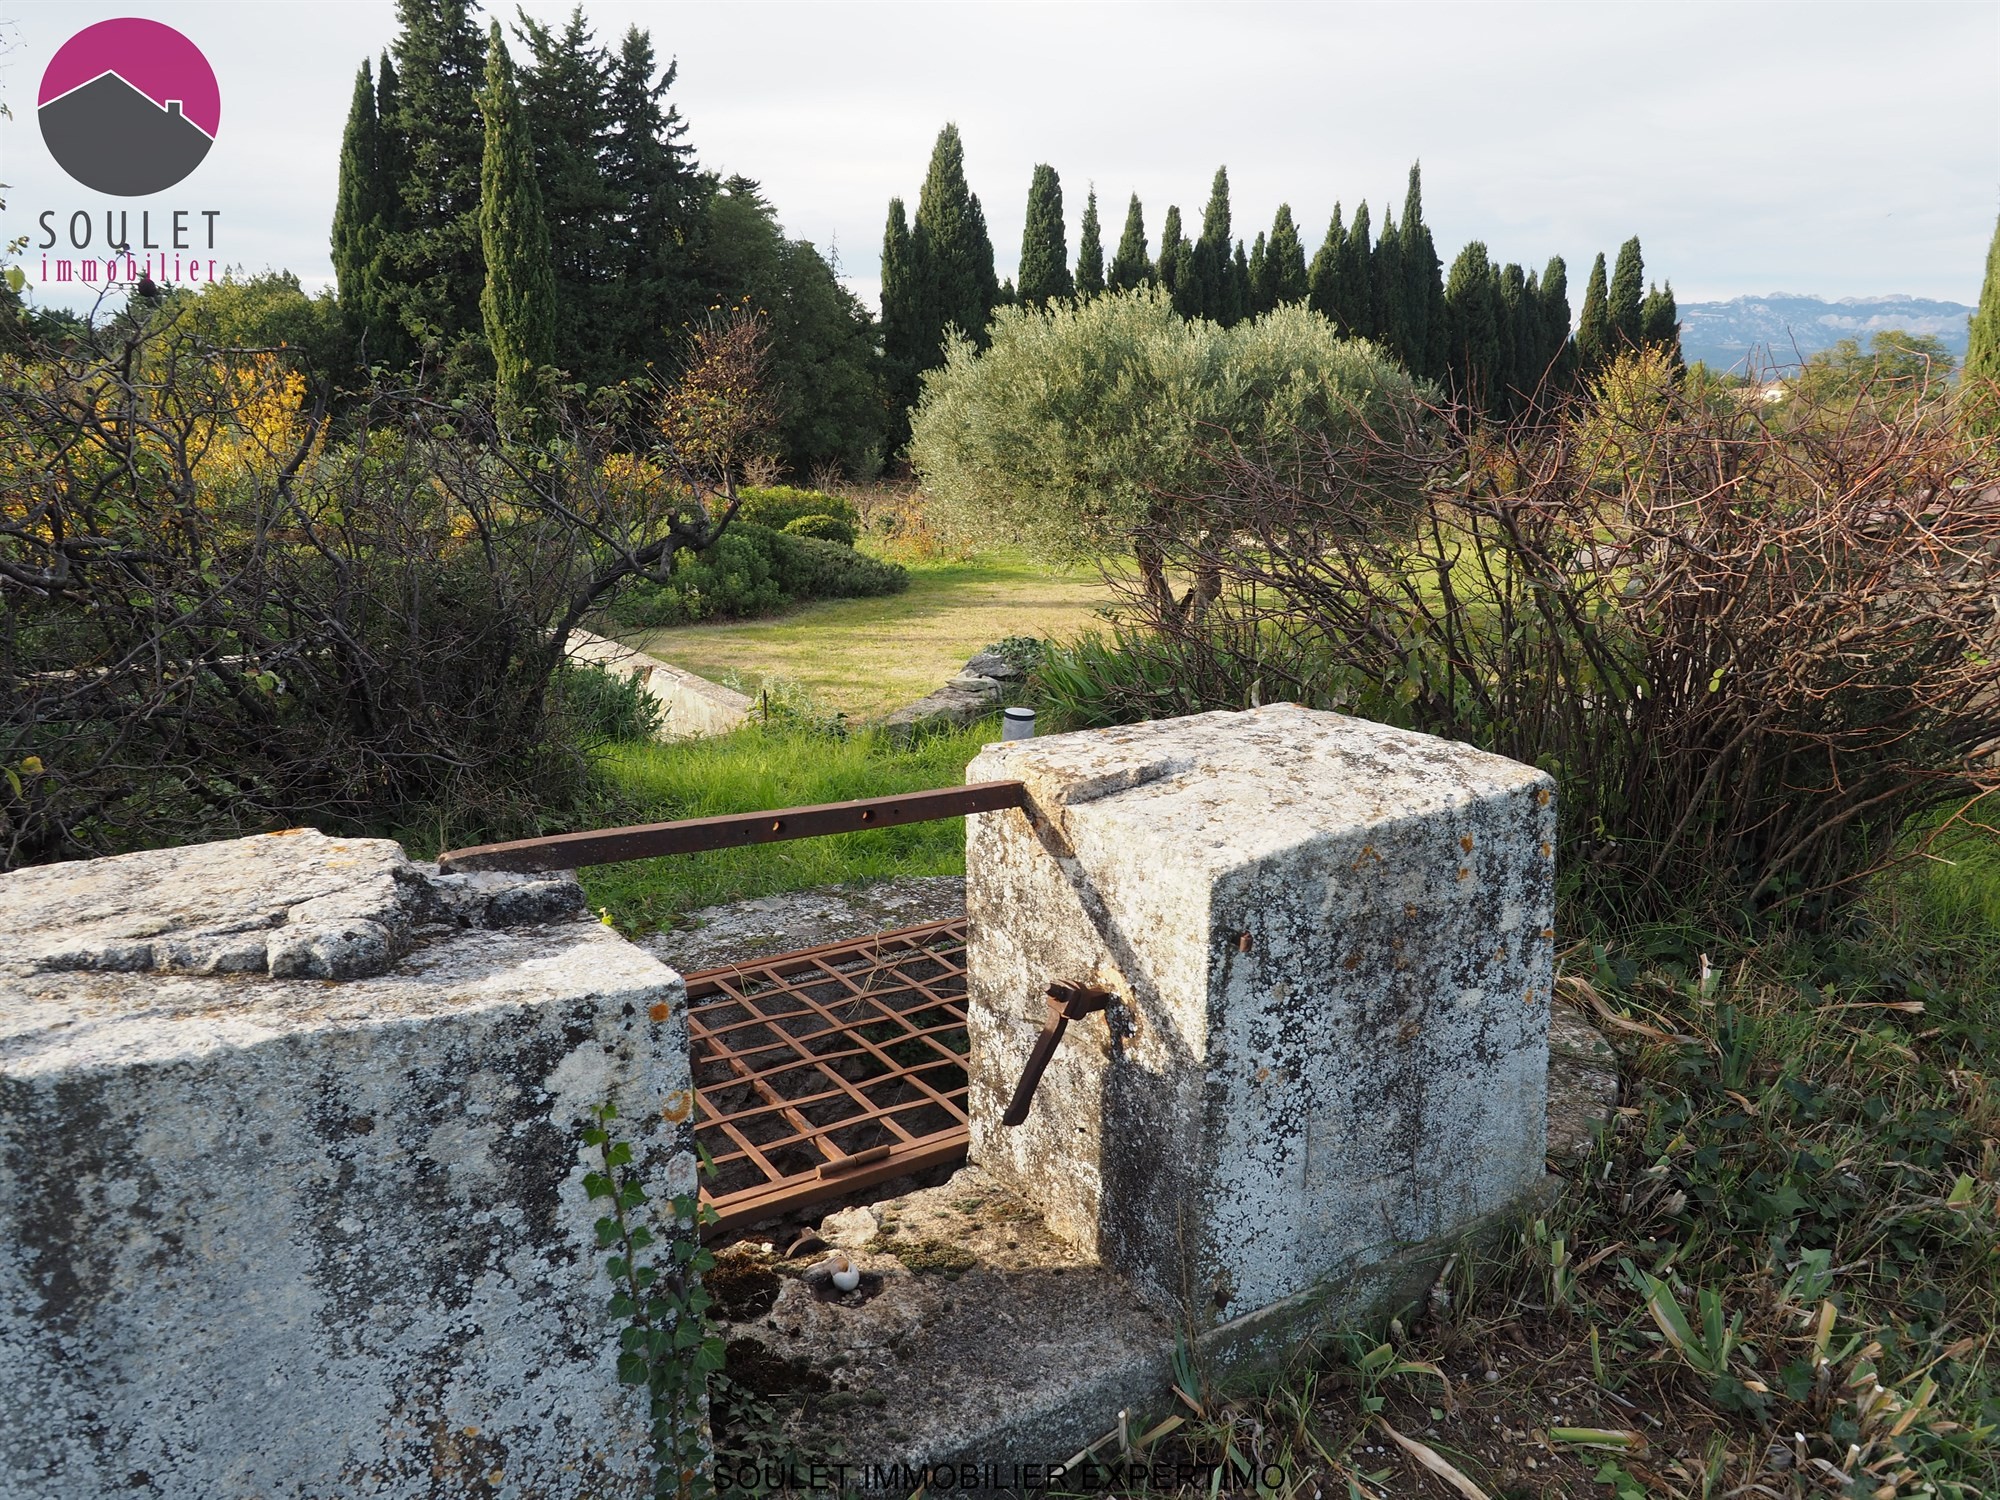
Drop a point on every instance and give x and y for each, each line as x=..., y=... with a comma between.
x=1087, y=431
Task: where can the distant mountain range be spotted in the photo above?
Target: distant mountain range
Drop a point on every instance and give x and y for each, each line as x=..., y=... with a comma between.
x=1784, y=328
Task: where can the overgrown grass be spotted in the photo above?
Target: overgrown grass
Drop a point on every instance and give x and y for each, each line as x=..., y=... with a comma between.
x=1779, y=1274
x=776, y=766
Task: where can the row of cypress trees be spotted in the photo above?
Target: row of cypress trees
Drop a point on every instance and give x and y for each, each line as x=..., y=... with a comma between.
x=1489, y=333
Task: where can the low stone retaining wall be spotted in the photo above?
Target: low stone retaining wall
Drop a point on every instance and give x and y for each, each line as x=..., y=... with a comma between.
x=291, y=1200
x=693, y=706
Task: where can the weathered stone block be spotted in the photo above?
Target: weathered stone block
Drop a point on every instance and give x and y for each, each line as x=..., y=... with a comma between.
x=1332, y=951
x=268, y=1234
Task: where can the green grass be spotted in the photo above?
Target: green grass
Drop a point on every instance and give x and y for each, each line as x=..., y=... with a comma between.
x=759, y=767
x=866, y=657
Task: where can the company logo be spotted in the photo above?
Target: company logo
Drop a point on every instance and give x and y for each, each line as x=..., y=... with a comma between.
x=129, y=107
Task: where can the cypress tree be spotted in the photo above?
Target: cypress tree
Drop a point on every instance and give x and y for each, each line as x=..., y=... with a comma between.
x=1628, y=283
x=1090, y=251
x=1660, y=323
x=518, y=302
x=1323, y=279
x=1472, y=347
x=1215, y=289
x=1239, y=284
x=1285, y=260
x=1510, y=309
x=1386, y=290
x=435, y=255
x=1555, y=355
x=364, y=216
x=1262, y=300
x=1423, y=286
x=1130, y=266
x=1981, y=380
x=655, y=240
x=951, y=255
x=1044, y=253
x=564, y=89
x=899, y=347
x=1176, y=270
x=1357, y=279
x=1593, y=331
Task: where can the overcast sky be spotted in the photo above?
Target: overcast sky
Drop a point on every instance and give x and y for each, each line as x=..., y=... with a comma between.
x=1840, y=150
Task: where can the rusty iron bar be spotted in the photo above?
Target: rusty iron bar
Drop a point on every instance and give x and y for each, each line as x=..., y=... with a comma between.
x=572, y=851
x=1066, y=1003
x=784, y=1042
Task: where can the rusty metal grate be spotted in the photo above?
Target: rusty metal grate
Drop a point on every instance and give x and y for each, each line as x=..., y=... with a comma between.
x=830, y=1069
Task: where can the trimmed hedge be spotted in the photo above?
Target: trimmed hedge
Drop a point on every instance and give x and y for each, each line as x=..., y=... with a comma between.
x=753, y=571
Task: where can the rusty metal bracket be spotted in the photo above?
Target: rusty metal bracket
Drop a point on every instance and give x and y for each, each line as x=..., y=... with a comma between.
x=1066, y=1003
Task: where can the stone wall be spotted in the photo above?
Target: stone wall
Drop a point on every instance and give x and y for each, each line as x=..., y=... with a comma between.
x=692, y=707
x=291, y=1198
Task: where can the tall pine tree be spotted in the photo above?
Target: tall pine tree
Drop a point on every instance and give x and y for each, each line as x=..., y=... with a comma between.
x=655, y=239
x=951, y=255
x=1285, y=260
x=1130, y=266
x=1627, y=297
x=1090, y=251
x=1595, y=337
x=440, y=62
x=1044, y=270
x=563, y=93
x=518, y=301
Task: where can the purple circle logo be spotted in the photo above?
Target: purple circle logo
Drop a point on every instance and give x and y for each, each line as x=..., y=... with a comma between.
x=129, y=107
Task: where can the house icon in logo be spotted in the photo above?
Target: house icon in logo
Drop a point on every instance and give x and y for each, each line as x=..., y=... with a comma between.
x=129, y=107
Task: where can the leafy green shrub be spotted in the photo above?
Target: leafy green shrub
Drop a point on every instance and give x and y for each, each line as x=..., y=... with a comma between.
x=776, y=507
x=1023, y=652
x=605, y=707
x=822, y=529
x=755, y=571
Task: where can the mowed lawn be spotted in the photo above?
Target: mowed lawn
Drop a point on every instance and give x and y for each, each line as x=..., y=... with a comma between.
x=867, y=657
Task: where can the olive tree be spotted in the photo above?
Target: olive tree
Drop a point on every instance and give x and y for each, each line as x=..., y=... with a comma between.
x=1094, y=430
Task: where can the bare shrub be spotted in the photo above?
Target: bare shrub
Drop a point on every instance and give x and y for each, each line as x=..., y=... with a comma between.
x=1754, y=657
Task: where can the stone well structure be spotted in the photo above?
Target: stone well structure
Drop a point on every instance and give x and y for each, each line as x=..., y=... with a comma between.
x=1324, y=1065
x=291, y=1198
x=1330, y=948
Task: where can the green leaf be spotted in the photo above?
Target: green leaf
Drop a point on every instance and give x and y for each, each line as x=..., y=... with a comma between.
x=597, y=1185
x=17, y=279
